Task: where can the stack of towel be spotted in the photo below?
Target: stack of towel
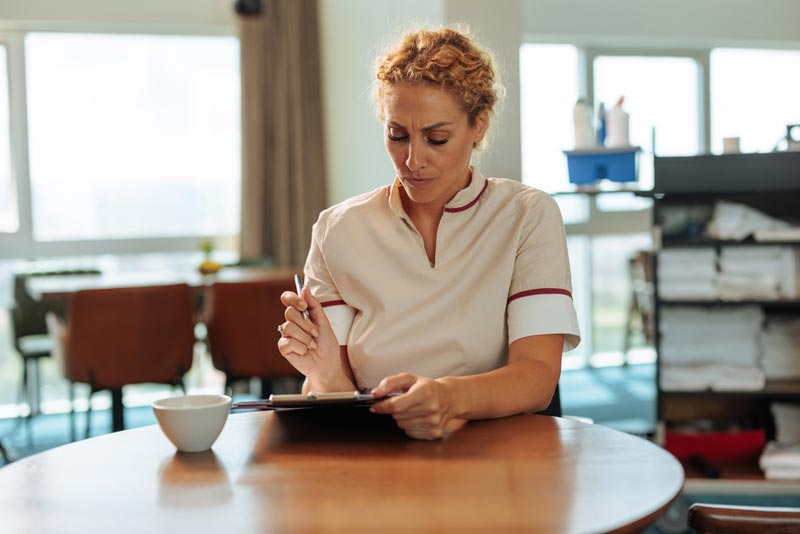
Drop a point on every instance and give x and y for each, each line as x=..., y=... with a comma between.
x=780, y=348
x=781, y=458
x=737, y=221
x=711, y=348
x=761, y=273
x=687, y=274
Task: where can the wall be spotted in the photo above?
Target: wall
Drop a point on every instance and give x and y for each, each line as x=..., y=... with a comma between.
x=352, y=32
x=677, y=23
x=152, y=16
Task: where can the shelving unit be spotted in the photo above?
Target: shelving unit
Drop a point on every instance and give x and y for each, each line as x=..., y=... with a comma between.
x=769, y=183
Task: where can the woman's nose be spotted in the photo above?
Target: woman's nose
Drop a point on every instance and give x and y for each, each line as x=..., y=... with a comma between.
x=415, y=160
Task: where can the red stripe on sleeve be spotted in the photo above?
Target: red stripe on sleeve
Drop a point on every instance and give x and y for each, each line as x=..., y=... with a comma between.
x=542, y=291
x=333, y=303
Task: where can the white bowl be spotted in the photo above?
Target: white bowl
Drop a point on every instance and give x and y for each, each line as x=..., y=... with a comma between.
x=192, y=422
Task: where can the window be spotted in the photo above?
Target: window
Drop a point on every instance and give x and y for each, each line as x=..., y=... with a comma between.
x=754, y=97
x=8, y=204
x=125, y=125
x=549, y=85
x=661, y=94
x=661, y=91
x=549, y=88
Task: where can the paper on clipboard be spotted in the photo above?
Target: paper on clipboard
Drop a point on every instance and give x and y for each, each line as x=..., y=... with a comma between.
x=309, y=400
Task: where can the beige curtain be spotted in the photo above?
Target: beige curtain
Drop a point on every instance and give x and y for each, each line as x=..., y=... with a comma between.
x=283, y=172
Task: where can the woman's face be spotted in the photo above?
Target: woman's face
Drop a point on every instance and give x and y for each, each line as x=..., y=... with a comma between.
x=430, y=141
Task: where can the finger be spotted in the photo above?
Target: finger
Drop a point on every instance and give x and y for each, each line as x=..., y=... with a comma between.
x=288, y=347
x=293, y=301
x=416, y=418
x=396, y=383
x=290, y=298
x=426, y=434
x=405, y=403
x=293, y=315
x=291, y=330
x=315, y=309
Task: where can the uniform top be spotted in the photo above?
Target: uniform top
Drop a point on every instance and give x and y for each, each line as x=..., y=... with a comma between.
x=501, y=272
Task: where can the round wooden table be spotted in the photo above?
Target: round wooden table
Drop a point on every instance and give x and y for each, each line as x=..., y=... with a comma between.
x=346, y=470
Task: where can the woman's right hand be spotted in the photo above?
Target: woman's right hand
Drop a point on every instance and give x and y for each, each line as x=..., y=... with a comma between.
x=310, y=345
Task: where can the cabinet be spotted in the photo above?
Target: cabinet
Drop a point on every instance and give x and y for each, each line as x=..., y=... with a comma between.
x=710, y=311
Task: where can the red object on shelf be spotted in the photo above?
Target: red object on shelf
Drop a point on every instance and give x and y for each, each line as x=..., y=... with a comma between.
x=719, y=446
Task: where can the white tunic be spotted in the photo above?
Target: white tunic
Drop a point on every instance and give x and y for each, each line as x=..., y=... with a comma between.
x=501, y=272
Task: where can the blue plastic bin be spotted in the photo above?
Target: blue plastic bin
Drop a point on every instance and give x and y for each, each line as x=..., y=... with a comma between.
x=590, y=166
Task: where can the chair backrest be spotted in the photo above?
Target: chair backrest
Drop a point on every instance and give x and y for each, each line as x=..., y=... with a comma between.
x=241, y=319
x=130, y=335
x=717, y=518
x=28, y=313
x=554, y=408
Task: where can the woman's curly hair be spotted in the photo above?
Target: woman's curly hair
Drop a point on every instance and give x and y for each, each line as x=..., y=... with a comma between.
x=445, y=58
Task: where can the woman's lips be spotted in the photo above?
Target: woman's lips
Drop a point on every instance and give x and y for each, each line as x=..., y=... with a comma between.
x=418, y=181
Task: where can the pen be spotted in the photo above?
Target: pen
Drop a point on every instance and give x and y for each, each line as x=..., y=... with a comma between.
x=298, y=283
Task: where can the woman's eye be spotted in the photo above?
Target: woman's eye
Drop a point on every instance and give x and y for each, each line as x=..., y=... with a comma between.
x=437, y=141
x=396, y=134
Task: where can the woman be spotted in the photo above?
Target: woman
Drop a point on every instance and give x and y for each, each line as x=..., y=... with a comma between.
x=447, y=286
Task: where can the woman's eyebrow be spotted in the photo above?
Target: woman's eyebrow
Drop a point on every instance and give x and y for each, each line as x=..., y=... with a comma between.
x=393, y=124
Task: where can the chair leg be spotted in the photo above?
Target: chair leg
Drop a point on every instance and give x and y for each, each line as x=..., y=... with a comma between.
x=4, y=453
x=266, y=388
x=72, y=431
x=25, y=391
x=36, y=397
x=89, y=415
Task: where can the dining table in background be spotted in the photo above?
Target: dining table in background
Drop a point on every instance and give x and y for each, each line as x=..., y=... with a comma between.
x=347, y=470
x=57, y=290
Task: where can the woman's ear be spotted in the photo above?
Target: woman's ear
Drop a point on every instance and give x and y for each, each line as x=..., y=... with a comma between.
x=481, y=125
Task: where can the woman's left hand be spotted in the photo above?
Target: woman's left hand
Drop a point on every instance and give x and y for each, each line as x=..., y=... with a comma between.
x=423, y=410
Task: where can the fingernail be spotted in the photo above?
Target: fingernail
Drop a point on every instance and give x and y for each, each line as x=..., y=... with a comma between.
x=315, y=333
x=313, y=344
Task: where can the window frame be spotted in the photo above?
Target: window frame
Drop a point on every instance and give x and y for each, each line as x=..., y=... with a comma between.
x=22, y=244
x=604, y=223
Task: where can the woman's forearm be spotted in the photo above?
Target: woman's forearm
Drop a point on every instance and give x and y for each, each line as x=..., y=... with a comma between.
x=525, y=384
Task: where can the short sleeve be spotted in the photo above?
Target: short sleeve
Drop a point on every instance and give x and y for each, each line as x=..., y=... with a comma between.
x=321, y=284
x=540, y=295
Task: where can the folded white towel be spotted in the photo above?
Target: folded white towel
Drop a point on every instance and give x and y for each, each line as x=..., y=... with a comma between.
x=716, y=377
x=700, y=290
x=683, y=378
x=745, y=354
x=777, y=455
x=731, y=378
x=787, y=422
x=681, y=271
x=737, y=221
x=747, y=254
x=741, y=287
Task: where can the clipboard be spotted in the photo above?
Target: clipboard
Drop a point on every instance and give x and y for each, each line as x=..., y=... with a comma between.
x=310, y=400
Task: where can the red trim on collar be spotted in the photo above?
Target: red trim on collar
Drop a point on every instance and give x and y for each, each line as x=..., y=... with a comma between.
x=388, y=191
x=474, y=200
x=332, y=303
x=542, y=291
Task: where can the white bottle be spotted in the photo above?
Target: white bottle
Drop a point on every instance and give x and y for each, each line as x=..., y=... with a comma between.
x=582, y=121
x=617, y=127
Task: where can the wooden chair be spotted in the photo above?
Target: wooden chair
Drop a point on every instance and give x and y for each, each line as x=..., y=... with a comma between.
x=717, y=518
x=121, y=336
x=30, y=336
x=241, y=319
